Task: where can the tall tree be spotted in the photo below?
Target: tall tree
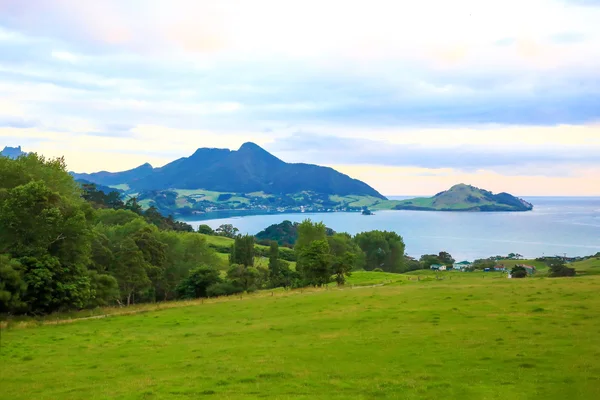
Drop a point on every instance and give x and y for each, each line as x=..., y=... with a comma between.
x=383, y=250
x=242, y=251
x=274, y=265
x=130, y=269
x=316, y=263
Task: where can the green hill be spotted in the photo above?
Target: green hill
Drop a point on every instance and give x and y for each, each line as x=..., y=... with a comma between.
x=463, y=197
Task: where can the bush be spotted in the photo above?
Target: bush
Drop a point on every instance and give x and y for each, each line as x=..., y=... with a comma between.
x=223, y=289
x=377, y=270
x=559, y=270
x=518, y=272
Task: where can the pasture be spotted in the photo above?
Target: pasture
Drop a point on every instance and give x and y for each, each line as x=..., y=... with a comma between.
x=474, y=336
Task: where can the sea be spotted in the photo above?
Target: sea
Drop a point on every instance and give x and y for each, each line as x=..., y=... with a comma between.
x=563, y=226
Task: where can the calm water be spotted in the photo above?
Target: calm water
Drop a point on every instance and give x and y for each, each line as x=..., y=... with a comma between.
x=557, y=225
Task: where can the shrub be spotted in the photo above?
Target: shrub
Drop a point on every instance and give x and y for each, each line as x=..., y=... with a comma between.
x=518, y=272
x=560, y=269
x=223, y=289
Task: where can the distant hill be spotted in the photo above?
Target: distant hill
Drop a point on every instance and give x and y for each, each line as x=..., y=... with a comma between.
x=12, y=152
x=116, y=178
x=463, y=197
x=249, y=169
x=285, y=233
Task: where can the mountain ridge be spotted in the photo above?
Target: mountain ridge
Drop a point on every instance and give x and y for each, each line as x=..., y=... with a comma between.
x=246, y=170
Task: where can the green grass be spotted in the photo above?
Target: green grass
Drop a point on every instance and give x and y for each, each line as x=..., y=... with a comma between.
x=464, y=338
x=591, y=266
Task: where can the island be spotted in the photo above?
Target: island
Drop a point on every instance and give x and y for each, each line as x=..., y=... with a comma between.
x=463, y=197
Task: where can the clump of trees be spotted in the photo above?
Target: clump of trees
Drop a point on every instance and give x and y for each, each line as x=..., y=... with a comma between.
x=64, y=246
x=559, y=269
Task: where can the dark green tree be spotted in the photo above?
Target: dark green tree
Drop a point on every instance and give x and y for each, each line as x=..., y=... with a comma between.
x=227, y=230
x=12, y=286
x=315, y=262
x=242, y=251
x=205, y=229
x=383, y=250
x=198, y=282
x=518, y=272
x=245, y=277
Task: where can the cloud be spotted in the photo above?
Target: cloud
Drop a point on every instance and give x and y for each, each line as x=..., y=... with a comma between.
x=165, y=77
x=549, y=152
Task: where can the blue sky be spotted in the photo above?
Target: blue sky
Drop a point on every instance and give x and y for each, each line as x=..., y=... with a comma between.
x=411, y=97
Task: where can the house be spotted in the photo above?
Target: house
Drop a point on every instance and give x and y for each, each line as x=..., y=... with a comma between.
x=500, y=268
x=438, y=267
x=461, y=266
x=529, y=268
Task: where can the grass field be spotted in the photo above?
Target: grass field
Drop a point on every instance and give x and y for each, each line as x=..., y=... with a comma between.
x=467, y=337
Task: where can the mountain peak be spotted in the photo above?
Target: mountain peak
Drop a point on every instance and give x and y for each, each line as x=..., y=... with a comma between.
x=250, y=146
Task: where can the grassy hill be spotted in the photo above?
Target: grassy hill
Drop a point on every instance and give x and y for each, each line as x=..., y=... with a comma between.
x=463, y=197
x=467, y=338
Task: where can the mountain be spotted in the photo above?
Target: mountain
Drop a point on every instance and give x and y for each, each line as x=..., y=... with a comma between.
x=247, y=170
x=116, y=178
x=12, y=152
x=463, y=197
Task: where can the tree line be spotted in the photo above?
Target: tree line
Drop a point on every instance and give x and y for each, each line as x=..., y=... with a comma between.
x=64, y=246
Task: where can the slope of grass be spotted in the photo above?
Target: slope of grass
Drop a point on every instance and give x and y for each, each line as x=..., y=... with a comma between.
x=591, y=266
x=467, y=338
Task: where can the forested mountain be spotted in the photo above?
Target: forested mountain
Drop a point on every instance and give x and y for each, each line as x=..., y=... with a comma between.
x=463, y=197
x=249, y=169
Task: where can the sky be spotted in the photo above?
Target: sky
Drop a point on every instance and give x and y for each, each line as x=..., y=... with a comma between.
x=411, y=97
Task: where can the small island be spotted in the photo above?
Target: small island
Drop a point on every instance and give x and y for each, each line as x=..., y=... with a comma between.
x=463, y=197
x=366, y=211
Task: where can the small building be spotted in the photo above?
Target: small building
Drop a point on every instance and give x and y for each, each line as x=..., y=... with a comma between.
x=461, y=266
x=529, y=268
x=438, y=267
x=500, y=268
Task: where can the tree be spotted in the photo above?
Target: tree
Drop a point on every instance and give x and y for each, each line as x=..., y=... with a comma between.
x=346, y=255
x=427, y=260
x=242, y=251
x=198, y=282
x=130, y=270
x=559, y=269
x=227, y=230
x=308, y=232
x=315, y=263
x=12, y=286
x=383, y=250
x=518, y=272
x=206, y=230
x=275, y=276
x=446, y=258
x=243, y=276
x=133, y=205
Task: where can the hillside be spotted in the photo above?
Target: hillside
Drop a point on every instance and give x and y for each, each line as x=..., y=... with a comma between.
x=249, y=169
x=501, y=338
x=463, y=197
x=12, y=152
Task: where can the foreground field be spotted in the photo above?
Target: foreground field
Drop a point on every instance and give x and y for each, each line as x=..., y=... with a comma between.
x=469, y=337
